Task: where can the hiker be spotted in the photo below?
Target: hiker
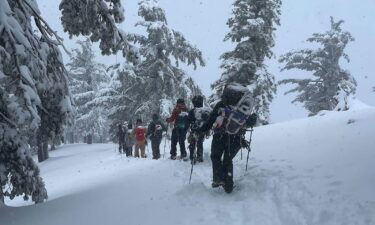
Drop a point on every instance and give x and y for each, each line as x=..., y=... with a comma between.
x=155, y=134
x=179, y=118
x=229, y=119
x=121, y=139
x=196, y=118
x=139, y=134
x=129, y=140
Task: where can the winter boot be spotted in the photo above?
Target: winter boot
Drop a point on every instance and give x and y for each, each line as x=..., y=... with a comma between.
x=228, y=186
x=216, y=184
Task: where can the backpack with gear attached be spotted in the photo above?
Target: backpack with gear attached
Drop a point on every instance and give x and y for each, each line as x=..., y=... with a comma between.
x=158, y=130
x=201, y=116
x=234, y=116
x=182, y=120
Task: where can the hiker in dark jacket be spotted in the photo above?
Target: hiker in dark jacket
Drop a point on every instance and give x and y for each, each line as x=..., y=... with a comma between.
x=121, y=139
x=196, y=118
x=179, y=118
x=225, y=146
x=155, y=133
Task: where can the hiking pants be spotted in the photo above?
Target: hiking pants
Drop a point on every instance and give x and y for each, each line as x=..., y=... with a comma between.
x=140, y=145
x=178, y=136
x=121, y=147
x=223, y=149
x=129, y=150
x=155, y=145
x=196, y=142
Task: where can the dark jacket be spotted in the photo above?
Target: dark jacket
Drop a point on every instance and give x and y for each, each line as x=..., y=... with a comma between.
x=121, y=135
x=152, y=132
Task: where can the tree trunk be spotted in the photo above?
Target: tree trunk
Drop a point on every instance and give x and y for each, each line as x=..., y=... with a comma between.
x=40, y=148
x=45, y=150
x=2, y=202
x=89, y=139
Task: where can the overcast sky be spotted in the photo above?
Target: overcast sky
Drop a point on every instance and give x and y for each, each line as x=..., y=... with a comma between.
x=203, y=22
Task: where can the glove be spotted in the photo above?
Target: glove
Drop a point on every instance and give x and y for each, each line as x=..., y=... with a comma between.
x=244, y=143
x=252, y=120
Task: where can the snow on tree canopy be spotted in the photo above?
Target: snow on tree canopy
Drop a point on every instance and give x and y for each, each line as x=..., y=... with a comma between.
x=252, y=27
x=142, y=89
x=98, y=19
x=331, y=86
x=33, y=95
x=87, y=78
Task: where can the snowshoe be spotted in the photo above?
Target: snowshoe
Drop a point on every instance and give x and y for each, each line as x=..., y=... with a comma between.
x=217, y=184
x=173, y=157
x=228, y=186
x=185, y=158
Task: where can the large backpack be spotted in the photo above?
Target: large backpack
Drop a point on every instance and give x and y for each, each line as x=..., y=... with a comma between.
x=140, y=133
x=234, y=117
x=201, y=115
x=158, y=130
x=182, y=120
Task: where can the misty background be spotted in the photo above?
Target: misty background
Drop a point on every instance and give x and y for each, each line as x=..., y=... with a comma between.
x=203, y=22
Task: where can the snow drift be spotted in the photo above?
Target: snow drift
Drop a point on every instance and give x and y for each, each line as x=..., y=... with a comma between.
x=317, y=170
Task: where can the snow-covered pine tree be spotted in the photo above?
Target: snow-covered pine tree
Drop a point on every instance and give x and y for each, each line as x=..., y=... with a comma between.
x=331, y=86
x=121, y=95
x=163, y=81
x=32, y=80
x=98, y=19
x=56, y=110
x=87, y=78
x=252, y=28
x=154, y=84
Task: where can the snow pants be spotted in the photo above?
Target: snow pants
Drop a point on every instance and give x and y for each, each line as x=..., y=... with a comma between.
x=196, y=141
x=178, y=136
x=140, y=145
x=224, y=148
x=121, y=147
x=129, y=151
x=155, y=145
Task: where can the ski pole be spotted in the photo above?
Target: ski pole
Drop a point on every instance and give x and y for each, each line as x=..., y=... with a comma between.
x=249, y=147
x=165, y=142
x=193, y=160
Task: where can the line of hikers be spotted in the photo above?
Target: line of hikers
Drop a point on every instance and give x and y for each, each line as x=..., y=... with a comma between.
x=228, y=120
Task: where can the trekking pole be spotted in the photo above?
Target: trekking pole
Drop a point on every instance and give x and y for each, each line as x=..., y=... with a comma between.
x=193, y=160
x=165, y=142
x=249, y=147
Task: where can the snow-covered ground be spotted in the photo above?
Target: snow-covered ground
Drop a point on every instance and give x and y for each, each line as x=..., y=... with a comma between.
x=317, y=170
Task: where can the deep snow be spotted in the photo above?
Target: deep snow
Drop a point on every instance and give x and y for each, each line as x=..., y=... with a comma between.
x=318, y=170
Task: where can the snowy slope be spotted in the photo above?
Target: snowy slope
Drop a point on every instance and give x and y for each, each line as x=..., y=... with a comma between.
x=317, y=170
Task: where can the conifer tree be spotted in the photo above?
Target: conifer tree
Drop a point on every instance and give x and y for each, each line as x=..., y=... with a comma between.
x=34, y=93
x=330, y=87
x=252, y=28
x=87, y=78
x=156, y=82
x=33, y=86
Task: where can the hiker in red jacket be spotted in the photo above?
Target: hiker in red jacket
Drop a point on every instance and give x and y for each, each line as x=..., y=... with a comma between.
x=139, y=133
x=179, y=118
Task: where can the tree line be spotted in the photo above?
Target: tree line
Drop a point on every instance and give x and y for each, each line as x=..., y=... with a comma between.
x=43, y=101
